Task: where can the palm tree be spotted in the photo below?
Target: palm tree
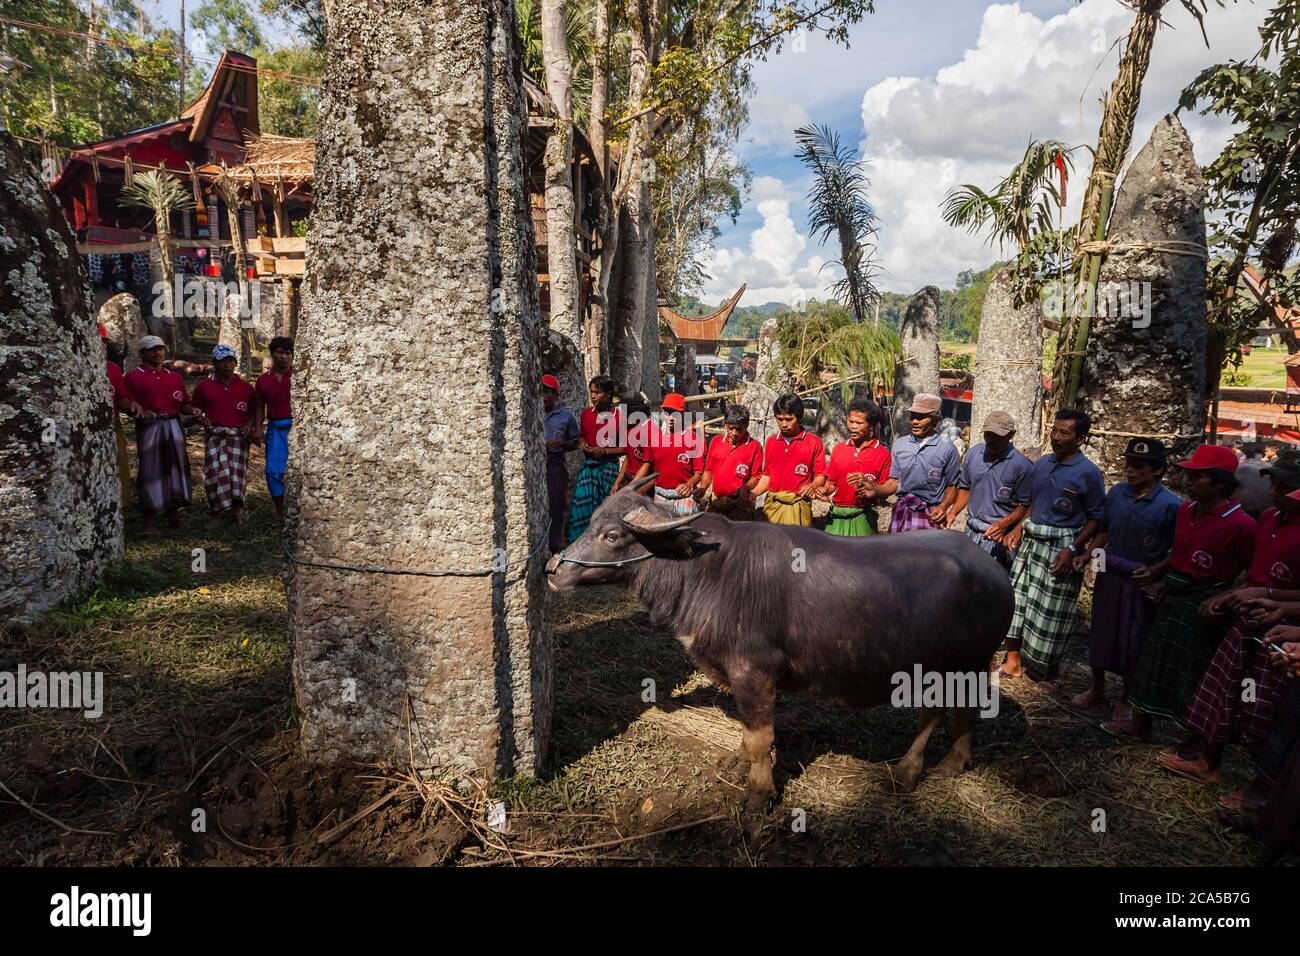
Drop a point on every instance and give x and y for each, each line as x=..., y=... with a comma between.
x=838, y=206
x=165, y=195
x=1019, y=210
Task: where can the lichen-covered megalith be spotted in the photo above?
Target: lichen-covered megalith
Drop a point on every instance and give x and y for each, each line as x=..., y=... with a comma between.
x=1009, y=362
x=417, y=442
x=60, y=499
x=917, y=370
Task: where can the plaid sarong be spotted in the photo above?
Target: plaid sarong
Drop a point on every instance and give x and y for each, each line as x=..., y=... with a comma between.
x=785, y=507
x=225, y=455
x=596, y=477
x=277, y=454
x=852, y=522
x=1046, y=603
x=975, y=529
x=910, y=514
x=1219, y=711
x=680, y=505
x=1177, y=649
x=163, y=482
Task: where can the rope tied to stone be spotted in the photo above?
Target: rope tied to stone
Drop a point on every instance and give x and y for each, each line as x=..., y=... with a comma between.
x=1167, y=436
x=1174, y=247
x=1019, y=361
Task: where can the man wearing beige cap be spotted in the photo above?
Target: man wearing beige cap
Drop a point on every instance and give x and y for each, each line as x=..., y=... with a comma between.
x=927, y=468
x=994, y=485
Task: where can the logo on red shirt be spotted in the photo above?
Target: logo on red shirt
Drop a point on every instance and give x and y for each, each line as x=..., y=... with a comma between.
x=801, y=470
x=1203, y=560
x=177, y=395
x=684, y=458
x=242, y=406
x=742, y=470
x=1281, y=573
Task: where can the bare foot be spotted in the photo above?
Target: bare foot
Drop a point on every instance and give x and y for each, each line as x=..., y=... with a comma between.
x=1088, y=699
x=1130, y=729
x=1198, y=770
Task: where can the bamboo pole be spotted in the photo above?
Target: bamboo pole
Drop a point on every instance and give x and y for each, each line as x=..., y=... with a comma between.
x=1071, y=392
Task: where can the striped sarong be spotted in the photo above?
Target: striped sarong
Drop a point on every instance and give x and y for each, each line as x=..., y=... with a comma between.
x=225, y=457
x=1046, y=603
x=596, y=477
x=1121, y=617
x=163, y=482
x=277, y=454
x=680, y=504
x=975, y=529
x=785, y=507
x=1220, y=711
x=850, y=522
x=910, y=514
x=1177, y=649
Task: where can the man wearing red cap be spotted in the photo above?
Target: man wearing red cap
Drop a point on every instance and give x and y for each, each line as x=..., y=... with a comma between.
x=676, y=454
x=1214, y=541
x=561, y=436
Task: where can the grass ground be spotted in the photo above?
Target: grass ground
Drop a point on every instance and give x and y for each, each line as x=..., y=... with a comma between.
x=199, y=735
x=1264, y=369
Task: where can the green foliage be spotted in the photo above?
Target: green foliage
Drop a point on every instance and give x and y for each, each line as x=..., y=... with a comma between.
x=1023, y=209
x=1236, y=377
x=162, y=193
x=838, y=207
x=579, y=27
x=826, y=334
x=227, y=25
x=1254, y=184
x=289, y=108
x=305, y=18
x=67, y=91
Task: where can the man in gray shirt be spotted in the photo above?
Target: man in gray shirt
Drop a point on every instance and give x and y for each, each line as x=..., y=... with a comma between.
x=994, y=487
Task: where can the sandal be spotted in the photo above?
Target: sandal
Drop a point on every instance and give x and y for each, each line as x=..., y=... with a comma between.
x=1187, y=768
x=1124, y=730
x=1238, y=802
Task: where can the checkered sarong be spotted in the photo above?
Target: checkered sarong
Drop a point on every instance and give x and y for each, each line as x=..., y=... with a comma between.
x=1219, y=711
x=224, y=459
x=163, y=480
x=1177, y=649
x=910, y=514
x=1046, y=603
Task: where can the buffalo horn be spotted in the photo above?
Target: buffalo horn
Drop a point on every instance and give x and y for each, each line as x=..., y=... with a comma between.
x=641, y=520
x=642, y=482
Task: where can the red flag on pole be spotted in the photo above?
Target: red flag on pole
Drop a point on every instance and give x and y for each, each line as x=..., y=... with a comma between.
x=1060, y=167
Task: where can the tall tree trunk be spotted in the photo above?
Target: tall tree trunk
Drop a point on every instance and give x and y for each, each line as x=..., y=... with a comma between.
x=60, y=494
x=1113, y=139
x=1145, y=372
x=561, y=236
x=651, y=382
x=1009, y=362
x=420, y=266
x=595, y=339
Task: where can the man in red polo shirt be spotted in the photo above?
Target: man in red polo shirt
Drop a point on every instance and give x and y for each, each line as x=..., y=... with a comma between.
x=858, y=469
x=273, y=407
x=794, y=466
x=163, y=484
x=226, y=404
x=675, y=452
x=733, y=467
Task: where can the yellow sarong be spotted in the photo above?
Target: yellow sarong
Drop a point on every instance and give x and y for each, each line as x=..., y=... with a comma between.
x=785, y=507
x=123, y=462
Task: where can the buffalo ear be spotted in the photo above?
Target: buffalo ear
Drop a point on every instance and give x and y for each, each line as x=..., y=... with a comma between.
x=675, y=542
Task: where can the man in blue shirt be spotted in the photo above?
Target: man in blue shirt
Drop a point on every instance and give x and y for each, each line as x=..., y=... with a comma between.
x=994, y=487
x=1067, y=502
x=926, y=468
x=1138, y=533
x=561, y=437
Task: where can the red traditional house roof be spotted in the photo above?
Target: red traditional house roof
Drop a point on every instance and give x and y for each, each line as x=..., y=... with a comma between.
x=706, y=328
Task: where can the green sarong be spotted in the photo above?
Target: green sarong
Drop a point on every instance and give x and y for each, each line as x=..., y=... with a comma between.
x=1046, y=603
x=1178, y=648
x=852, y=522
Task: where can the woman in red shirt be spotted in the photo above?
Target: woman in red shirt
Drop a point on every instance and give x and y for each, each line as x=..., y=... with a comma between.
x=601, y=438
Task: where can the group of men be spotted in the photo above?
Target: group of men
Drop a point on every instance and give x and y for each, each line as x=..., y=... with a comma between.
x=1192, y=599
x=233, y=414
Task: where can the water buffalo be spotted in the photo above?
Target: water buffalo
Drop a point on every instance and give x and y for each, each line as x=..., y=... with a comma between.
x=763, y=607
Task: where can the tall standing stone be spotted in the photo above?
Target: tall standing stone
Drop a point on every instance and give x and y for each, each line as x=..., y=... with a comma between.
x=1144, y=372
x=770, y=380
x=918, y=364
x=121, y=319
x=1009, y=362
x=60, y=499
x=417, y=441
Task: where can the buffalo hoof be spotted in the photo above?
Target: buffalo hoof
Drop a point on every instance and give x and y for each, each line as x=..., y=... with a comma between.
x=950, y=766
x=906, y=775
x=734, y=762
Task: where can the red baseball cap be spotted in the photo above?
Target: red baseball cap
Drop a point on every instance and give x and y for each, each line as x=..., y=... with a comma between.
x=1211, y=456
x=551, y=382
x=1294, y=495
x=103, y=332
x=674, y=402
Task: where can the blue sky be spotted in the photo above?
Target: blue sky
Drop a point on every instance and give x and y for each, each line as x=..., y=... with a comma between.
x=936, y=93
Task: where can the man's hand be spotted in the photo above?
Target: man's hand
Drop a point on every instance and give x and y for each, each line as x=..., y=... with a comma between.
x=1063, y=563
x=939, y=517
x=684, y=489
x=996, y=532
x=1081, y=561
x=147, y=415
x=1143, y=575
x=806, y=491
x=1213, y=607
x=555, y=444
x=1011, y=540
